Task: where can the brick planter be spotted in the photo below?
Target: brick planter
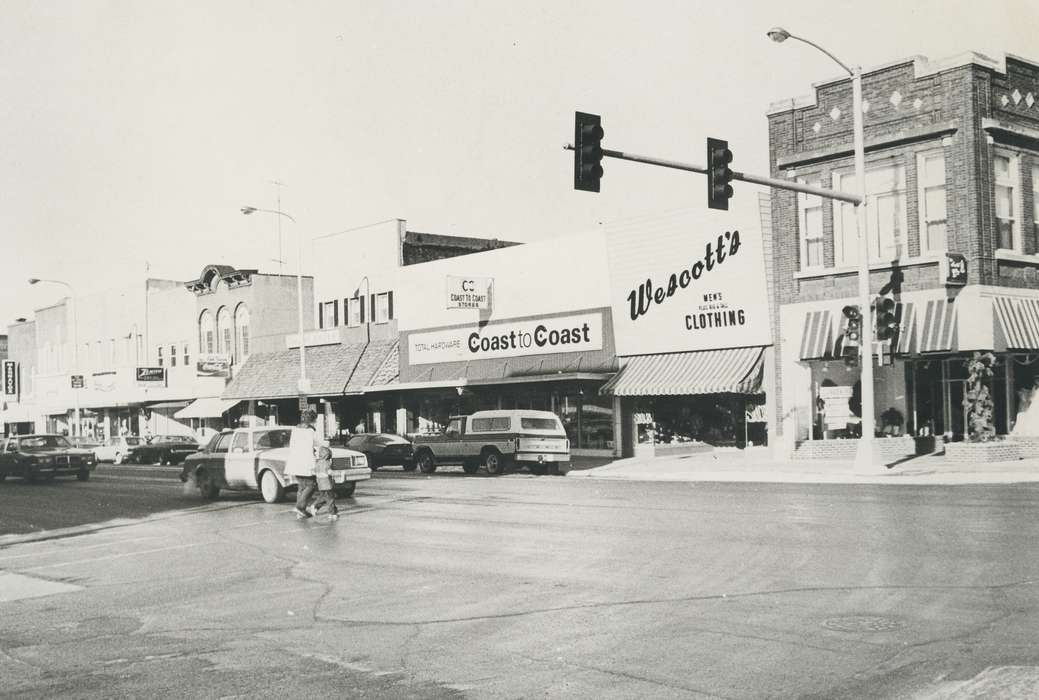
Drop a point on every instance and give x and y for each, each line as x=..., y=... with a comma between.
x=681, y=448
x=890, y=449
x=982, y=452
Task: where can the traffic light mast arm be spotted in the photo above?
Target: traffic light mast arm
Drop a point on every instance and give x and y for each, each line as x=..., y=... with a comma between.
x=745, y=177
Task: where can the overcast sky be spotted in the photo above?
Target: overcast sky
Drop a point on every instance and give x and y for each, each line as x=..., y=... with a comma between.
x=134, y=131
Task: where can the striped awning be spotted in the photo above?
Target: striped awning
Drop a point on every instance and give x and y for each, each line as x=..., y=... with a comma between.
x=1018, y=320
x=731, y=371
x=817, y=338
x=936, y=326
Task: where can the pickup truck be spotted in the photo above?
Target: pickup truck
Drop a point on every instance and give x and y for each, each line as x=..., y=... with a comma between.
x=498, y=440
x=254, y=459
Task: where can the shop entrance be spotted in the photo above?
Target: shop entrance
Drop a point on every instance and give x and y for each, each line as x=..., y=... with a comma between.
x=955, y=411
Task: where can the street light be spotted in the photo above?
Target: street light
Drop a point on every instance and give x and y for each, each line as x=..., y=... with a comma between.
x=864, y=456
x=76, y=428
x=304, y=385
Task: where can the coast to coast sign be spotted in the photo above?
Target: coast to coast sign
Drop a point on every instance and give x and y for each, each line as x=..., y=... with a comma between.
x=699, y=286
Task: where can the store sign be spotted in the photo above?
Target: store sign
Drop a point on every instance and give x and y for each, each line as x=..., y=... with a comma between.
x=213, y=364
x=104, y=381
x=507, y=339
x=77, y=381
x=833, y=404
x=700, y=286
x=469, y=292
x=151, y=376
x=954, y=270
x=10, y=378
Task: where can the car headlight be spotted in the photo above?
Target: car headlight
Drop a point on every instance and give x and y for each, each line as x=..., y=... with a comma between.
x=360, y=461
x=44, y=460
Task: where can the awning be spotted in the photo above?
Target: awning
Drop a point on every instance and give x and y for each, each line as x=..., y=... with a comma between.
x=209, y=407
x=1018, y=320
x=460, y=382
x=168, y=404
x=936, y=326
x=732, y=371
x=817, y=338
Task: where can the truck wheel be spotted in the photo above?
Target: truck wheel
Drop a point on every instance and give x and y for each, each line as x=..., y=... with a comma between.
x=426, y=463
x=347, y=489
x=270, y=488
x=495, y=463
x=207, y=486
x=470, y=466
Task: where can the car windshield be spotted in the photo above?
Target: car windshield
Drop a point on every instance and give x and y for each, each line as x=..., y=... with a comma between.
x=540, y=423
x=42, y=442
x=133, y=441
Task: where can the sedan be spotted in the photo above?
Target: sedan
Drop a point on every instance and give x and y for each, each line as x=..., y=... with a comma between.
x=44, y=456
x=164, y=449
x=383, y=449
x=116, y=448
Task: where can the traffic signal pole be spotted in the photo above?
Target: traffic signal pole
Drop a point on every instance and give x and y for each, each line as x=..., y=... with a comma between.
x=736, y=175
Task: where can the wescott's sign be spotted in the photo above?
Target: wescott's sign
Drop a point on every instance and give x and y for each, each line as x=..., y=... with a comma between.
x=698, y=286
x=507, y=339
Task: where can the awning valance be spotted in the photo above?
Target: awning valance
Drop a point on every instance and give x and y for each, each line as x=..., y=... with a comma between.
x=730, y=371
x=1018, y=321
x=168, y=404
x=209, y=407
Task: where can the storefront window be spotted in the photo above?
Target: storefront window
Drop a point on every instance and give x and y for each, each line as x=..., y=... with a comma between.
x=597, y=422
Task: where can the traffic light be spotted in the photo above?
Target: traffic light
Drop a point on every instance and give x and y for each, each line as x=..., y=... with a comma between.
x=719, y=175
x=588, y=135
x=853, y=330
x=887, y=320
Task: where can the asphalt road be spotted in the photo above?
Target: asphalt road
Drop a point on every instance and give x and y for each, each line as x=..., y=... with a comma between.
x=525, y=586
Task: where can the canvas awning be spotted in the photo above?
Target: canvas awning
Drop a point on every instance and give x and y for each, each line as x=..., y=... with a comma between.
x=936, y=326
x=209, y=407
x=1017, y=320
x=168, y=404
x=817, y=337
x=730, y=371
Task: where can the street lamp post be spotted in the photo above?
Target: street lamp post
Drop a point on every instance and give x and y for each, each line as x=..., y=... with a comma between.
x=304, y=385
x=864, y=456
x=76, y=428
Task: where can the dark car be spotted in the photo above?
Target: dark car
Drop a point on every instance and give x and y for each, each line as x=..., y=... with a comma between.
x=164, y=449
x=44, y=456
x=383, y=449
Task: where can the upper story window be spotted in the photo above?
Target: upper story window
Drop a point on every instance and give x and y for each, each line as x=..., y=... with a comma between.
x=354, y=311
x=187, y=357
x=205, y=332
x=224, y=331
x=383, y=307
x=1035, y=198
x=329, y=314
x=885, y=216
x=158, y=357
x=810, y=225
x=241, y=324
x=930, y=175
x=173, y=356
x=1008, y=223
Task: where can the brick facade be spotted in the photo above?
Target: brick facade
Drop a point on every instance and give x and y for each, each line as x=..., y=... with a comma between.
x=968, y=107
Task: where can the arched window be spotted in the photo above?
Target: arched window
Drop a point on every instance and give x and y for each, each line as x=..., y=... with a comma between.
x=241, y=325
x=224, y=332
x=206, y=339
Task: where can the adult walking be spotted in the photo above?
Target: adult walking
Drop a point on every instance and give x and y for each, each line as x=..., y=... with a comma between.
x=303, y=446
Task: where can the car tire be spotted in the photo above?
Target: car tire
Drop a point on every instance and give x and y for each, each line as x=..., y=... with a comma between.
x=347, y=489
x=470, y=466
x=426, y=463
x=209, y=489
x=83, y=475
x=494, y=462
x=270, y=488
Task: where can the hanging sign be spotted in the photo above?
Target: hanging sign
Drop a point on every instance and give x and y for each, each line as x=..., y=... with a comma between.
x=10, y=378
x=954, y=270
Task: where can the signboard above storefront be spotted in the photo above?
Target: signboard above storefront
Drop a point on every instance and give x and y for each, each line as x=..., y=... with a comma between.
x=954, y=270
x=151, y=376
x=10, y=378
x=696, y=286
x=469, y=292
x=559, y=334
x=213, y=364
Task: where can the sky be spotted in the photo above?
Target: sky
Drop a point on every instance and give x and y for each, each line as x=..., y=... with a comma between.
x=134, y=131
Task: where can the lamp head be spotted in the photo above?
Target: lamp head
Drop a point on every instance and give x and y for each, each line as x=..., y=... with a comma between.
x=33, y=280
x=778, y=34
x=248, y=210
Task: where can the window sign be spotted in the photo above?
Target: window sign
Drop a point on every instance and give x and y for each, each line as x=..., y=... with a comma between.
x=469, y=292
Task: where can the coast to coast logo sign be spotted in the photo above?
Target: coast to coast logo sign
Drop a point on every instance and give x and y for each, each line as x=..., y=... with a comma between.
x=697, y=286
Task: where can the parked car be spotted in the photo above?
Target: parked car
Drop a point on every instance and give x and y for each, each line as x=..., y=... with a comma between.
x=253, y=459
x=115, y=449
x=44, y=456
x=383, y=449
x=83, y=442
x=164, y=449
x=497, y=440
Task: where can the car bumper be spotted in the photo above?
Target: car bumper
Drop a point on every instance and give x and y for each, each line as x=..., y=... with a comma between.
x=542, y=457
x=58, y=470
x=342, y=476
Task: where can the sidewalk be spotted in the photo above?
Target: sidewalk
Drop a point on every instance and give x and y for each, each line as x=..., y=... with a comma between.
x=756, y=466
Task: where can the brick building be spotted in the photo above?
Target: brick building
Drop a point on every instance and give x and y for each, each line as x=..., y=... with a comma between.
x=952, y=176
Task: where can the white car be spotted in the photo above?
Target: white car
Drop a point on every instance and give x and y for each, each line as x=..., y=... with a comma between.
x=116, y=448
x=253, y=459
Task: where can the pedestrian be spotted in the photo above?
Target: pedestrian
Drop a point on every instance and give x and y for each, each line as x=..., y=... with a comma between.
x=326, y=494
x=303, y=447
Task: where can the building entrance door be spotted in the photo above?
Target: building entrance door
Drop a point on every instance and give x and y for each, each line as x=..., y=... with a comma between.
x=955, y=411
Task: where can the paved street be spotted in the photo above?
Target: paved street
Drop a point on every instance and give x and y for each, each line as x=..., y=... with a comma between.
x=554, y=587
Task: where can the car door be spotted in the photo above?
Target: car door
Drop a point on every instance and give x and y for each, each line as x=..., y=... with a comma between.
x=240, y=463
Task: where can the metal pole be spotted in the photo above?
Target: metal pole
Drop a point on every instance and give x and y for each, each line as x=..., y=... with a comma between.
x=76, y=429
x=864, y=456
x=303, y=388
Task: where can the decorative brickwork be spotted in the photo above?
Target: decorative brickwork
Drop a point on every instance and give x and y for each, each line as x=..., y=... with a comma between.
x=888, y=449
x=982, y=452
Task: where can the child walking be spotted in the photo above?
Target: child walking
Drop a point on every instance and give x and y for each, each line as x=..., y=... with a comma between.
x=325, y=494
